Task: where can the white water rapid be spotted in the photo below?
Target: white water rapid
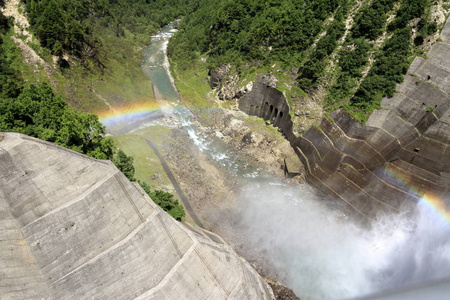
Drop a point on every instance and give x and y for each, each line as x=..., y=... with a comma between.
x=326, y=256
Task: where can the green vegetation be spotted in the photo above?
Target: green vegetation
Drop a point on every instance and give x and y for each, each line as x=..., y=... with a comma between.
x=192, y=83
x=390, y=66
x=391, y=63
x=167, y=203
x=370, y=23
x=11, y=83
x=249, y=31
x=125, y=164
x=408, y=11
x=314, y=68
x=146, y=163
x=70, y=25
x=37, y=110
x=96, y=47
x=370, y=20
x=352, y=60
x=256, y=36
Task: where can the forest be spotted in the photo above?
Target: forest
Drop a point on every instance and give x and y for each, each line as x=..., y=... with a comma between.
x=36, y=110
x=70, y=25
x=304, y=35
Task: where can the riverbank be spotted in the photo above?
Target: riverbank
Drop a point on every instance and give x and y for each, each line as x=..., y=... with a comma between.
x=207, y=155
x=262, y=146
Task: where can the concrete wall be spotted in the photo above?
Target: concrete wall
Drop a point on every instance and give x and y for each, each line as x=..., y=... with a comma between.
x=73, y=227
x=270, y=104
x=400, y=155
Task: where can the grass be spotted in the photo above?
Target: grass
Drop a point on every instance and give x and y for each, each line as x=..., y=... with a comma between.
x=146, y=163
x=193, y=84
x=120, y=81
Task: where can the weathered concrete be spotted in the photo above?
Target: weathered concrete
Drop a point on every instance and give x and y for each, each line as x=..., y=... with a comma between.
x=73, y=227
x=400, y=155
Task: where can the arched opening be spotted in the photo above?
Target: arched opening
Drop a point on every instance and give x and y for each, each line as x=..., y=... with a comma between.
x=281, y=115
x=266, y=113
x=275, y=116
x=270, y=115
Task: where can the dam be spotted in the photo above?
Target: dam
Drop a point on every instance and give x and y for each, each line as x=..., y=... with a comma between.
x=73, y=227
x=399, y=156
x=359, y=165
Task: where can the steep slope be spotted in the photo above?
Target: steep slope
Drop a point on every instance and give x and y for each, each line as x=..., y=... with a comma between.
x=399, y=157
x=75, y=228
x=89, y=52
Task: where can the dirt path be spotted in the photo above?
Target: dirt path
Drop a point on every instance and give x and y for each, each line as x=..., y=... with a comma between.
x=13, y=9
x=175, y=184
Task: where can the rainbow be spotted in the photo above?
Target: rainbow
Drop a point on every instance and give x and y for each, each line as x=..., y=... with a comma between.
x=437, y=206
x=426, y=199
x=125, y=114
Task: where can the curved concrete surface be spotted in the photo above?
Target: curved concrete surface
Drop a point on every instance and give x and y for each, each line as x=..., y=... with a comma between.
x=72, y=227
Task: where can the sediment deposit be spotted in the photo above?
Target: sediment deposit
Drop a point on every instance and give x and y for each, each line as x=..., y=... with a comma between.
x=73, y=227
x=401, y=155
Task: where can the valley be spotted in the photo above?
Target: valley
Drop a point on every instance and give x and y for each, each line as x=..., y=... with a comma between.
x=312, y=138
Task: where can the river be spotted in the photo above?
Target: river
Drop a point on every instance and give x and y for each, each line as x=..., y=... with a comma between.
x=315, y=250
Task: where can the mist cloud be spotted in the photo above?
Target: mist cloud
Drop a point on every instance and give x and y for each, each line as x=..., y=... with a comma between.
x=324, y=255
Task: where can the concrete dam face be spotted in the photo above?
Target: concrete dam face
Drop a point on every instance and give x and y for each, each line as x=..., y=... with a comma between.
x=399, y=157
x=73, y=227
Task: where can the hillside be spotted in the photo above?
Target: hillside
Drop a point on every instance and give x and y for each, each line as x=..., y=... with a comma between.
x=351, y=68
x=327, y=54
x=399, y=158
x=58, y=60
x=90, y=53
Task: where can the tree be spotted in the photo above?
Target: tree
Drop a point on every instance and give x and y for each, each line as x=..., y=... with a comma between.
x=40, y=113
x=125, y=164
x=167, y=203
x=51, y=28
x=4, y=24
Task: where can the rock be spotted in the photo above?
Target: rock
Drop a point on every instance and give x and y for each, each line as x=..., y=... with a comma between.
x=226, y=83
x=216, y=76
x=269, y=80
x=219, y=134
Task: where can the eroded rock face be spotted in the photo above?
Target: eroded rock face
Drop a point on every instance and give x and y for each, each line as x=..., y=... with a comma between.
x=401, y=155
x=73, y=227
x=270, y=104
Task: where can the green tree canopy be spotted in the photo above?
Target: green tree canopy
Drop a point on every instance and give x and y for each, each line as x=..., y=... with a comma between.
x=167, y=203
x=38, y=112
x=125, y=164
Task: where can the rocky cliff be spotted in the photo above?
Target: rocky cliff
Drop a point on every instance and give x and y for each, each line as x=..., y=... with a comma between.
x=73, y=227
x=401, y=155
